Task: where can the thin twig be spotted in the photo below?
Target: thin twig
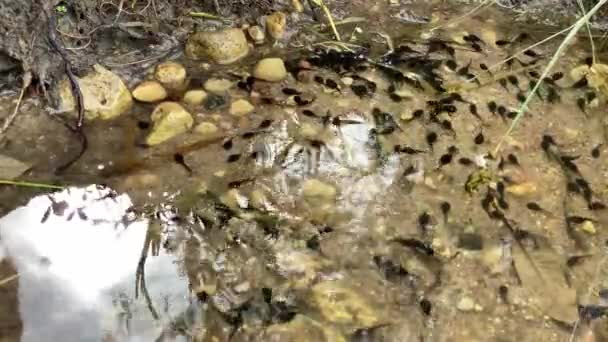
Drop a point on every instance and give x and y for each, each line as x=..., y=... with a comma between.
x=140, y=277
x=8, y=279
x=27, y=80
x=350, y=20
x=483, y=5
x=330, y=18
x=31, y=184
x=494, y=66
x=206, y=15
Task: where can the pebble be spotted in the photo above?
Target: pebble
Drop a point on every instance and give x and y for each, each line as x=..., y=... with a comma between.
x=241, y=107
x=172, y=76
x=149, y=91
x=218, y=86
x=270, y=69
x=466, y=304
x=242, y=287
x=195, y=97
x=588, y=227
x=407, y=115
x=276, y=23
x=523, y=189
x=222, y=47
x=207, y=129
x=257, y=34
x=404, y=93
x=170, y=119
x=316, y=189
x=347, y=81
x=104, y=93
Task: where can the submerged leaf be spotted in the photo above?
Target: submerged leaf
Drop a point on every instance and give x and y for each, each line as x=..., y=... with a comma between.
x=11, y=168
x=542, y=272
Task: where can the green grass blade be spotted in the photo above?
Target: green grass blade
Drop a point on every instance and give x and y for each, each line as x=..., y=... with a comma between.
x=524, y=106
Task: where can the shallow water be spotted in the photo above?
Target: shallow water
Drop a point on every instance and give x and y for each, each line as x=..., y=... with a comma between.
x=383, y=260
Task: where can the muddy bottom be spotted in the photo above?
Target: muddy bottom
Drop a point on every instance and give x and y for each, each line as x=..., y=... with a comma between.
x=363, y=198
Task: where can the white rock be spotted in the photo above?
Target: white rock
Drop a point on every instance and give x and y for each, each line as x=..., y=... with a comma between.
x=347, y=81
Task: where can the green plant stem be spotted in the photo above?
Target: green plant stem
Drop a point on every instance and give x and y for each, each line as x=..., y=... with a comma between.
x=524, y=106
x=205, y=15
x=31, y=184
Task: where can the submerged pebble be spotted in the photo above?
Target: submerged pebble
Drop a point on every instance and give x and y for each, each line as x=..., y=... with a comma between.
x=172, y=76
x=149, y=91
x=314, y=188
x=241, y=107
x=466, y=304
x=170, y=119
x=270, y=69
x=195, y=97
x=218, y=86
x=207, y=129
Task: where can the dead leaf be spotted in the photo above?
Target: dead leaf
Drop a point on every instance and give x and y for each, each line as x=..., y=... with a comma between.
x=542, y=272
x=11, y=168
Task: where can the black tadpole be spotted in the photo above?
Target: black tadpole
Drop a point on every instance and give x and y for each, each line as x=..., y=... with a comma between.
x=445, y=210
x=179, y=159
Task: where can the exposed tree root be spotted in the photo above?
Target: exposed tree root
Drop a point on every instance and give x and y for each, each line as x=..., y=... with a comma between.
x=77, y=129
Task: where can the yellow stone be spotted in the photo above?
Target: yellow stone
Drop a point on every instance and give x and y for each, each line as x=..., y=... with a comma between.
x=276, y=23
x=241, y=107
x=218, y=85
x=588, y=227
x=270, y=70
x=195, y=97
x=207, y=129
x=170, y=119
x=221, y=47
x=104, y=94
x=172, y=76
x=149, y=91
x=522, y=189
